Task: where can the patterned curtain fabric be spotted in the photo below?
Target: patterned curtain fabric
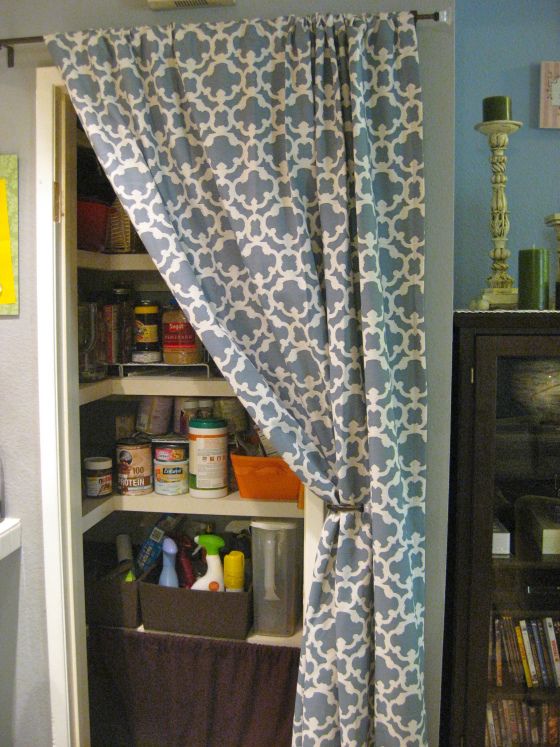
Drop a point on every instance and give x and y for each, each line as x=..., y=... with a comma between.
x=274, y=171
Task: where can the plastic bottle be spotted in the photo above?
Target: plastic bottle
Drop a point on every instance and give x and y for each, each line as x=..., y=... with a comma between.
x=168, y=575
x=234, y=571
x=213, y=579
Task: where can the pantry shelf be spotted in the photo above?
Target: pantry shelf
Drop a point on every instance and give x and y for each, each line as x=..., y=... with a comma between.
x=115, y=262
x=173, y=386
x=96, y=509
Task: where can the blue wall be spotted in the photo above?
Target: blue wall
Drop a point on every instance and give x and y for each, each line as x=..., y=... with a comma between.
x=499, y=46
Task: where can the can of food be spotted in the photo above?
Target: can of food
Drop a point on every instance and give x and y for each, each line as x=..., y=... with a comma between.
x=171, y=478
x=185, y=408
x=99, y=476
x=154, y=414
x=208, y=454
x=171, y=452
x=134, y=460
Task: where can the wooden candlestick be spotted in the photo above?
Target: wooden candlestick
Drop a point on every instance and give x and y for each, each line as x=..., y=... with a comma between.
x=500, y=293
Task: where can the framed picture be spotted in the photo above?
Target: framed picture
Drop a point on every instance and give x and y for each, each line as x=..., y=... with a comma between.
x=550, y=95
x=9, y=291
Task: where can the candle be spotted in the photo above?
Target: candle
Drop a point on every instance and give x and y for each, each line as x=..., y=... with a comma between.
x=533, y=279
x=496, y=107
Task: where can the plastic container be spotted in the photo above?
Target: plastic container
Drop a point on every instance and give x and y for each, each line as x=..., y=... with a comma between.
x=134, y=460
x=265, y=478
x=276, y=577
x=171, y=477
x=99, y=476
x=181, y=346
x=208, y=455
x=154, y=415
x=147, y=344
x=185, y=409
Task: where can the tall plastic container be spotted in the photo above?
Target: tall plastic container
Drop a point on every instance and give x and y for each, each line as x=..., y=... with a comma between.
x=276, y=577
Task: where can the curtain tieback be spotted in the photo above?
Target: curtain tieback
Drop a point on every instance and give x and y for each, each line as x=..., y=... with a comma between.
x=338, y=508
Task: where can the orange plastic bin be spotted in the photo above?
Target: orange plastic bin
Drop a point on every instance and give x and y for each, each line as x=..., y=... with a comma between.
x=265, y=478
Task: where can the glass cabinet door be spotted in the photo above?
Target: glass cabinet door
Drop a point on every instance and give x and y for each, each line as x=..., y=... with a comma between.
x=517, y=490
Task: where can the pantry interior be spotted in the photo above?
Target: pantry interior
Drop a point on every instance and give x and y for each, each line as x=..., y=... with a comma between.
x=80, y=420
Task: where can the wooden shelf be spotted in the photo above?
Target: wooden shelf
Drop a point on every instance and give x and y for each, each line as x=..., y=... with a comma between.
x=115, y=262
x=173, y=386
x=96, y=509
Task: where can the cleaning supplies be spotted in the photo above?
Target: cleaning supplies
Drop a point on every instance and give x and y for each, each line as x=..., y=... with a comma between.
x=213, y=579
x=168, y=575
x=234, y=571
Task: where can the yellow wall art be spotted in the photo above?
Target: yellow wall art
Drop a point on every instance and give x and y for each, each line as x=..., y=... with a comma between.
x=9, y=295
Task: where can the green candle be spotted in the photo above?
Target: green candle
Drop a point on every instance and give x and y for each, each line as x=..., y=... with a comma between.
x=496, y=107
x=533, y=279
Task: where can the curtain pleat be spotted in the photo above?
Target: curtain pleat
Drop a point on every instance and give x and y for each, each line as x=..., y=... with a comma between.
x=273, y=169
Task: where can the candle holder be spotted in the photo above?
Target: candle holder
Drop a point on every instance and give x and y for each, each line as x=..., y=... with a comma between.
x=554, y=221
x=500, y=293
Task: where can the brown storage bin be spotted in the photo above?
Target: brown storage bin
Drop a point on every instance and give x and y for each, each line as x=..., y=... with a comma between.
x=113, y=602
x=216, y=614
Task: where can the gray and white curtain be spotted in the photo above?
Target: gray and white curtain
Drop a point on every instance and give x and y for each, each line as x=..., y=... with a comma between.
x=274, y=171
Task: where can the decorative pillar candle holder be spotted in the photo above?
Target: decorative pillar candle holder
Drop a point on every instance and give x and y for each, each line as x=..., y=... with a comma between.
x=497, y=125
x=533, y=279
x=554, y=221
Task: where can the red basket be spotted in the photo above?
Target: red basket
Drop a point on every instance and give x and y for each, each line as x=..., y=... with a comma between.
x=265, y=478
x=92, y=225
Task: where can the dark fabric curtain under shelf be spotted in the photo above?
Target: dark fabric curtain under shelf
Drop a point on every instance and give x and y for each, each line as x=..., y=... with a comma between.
x=161, y=690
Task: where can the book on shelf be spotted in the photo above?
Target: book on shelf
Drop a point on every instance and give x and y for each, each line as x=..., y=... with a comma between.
x=524, y=658
x=491, y=726
x=552, y=644
x=498, y=651
x=513, y=655
x=530, y=653
x=537, y=652
x=547, y=662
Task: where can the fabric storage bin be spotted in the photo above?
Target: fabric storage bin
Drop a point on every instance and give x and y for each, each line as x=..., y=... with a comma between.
x=92, y=225
x=216, y=614
x=265, y=478
x=113, y=602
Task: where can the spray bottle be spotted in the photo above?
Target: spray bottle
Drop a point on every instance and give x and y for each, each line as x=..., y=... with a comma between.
x=213, y=579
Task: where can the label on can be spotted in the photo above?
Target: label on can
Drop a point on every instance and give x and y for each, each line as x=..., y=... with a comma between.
x=99, y=485
x=170, y=453
x=134, y=467
x=208, y=460
x=171, y=478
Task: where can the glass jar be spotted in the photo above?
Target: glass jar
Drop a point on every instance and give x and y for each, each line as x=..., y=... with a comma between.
x=147, y=346
x=125, y=316
x=180, y=342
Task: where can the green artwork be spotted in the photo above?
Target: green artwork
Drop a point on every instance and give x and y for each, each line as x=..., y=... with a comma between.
x=9, y=293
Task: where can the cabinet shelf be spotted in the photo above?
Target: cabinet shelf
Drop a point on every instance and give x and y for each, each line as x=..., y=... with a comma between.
x=115, y=262
x=174, y=386
x=96, y=509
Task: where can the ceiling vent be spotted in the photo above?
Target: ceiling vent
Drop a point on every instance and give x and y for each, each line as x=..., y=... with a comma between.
x=171, y=4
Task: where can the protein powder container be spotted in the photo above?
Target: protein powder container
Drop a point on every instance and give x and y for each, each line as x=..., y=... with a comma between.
x=171, y=478
x=134, y=460
x=208, y=457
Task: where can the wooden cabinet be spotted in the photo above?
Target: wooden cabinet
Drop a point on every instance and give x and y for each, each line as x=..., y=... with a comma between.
x=501, y=680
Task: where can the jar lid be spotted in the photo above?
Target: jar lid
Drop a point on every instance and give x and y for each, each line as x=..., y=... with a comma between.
x=98, y=463
x=207, y=423
x=146, y=307
x=121, y=290
x=272, y=525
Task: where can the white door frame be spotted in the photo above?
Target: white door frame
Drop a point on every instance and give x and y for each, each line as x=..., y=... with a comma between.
x=58, y=416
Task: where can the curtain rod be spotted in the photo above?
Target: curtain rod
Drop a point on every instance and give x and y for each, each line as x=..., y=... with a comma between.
x=9, y=44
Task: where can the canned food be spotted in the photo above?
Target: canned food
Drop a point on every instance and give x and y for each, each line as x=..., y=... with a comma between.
x=168, y=452
x=134, y=460
x=171, y=478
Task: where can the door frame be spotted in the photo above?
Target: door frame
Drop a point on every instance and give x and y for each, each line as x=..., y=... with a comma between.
x=59, y=416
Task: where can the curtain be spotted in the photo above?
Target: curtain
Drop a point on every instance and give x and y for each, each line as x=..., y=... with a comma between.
x=274, y=171
x=178, y=691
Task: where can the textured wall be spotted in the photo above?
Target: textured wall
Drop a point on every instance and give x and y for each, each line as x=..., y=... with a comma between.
x=24, y=712
x=499, y=47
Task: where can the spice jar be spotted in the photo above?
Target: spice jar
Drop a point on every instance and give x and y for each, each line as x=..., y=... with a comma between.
x=180, y=342
x=118, y=316
x=147, y=347
x=99, y=476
